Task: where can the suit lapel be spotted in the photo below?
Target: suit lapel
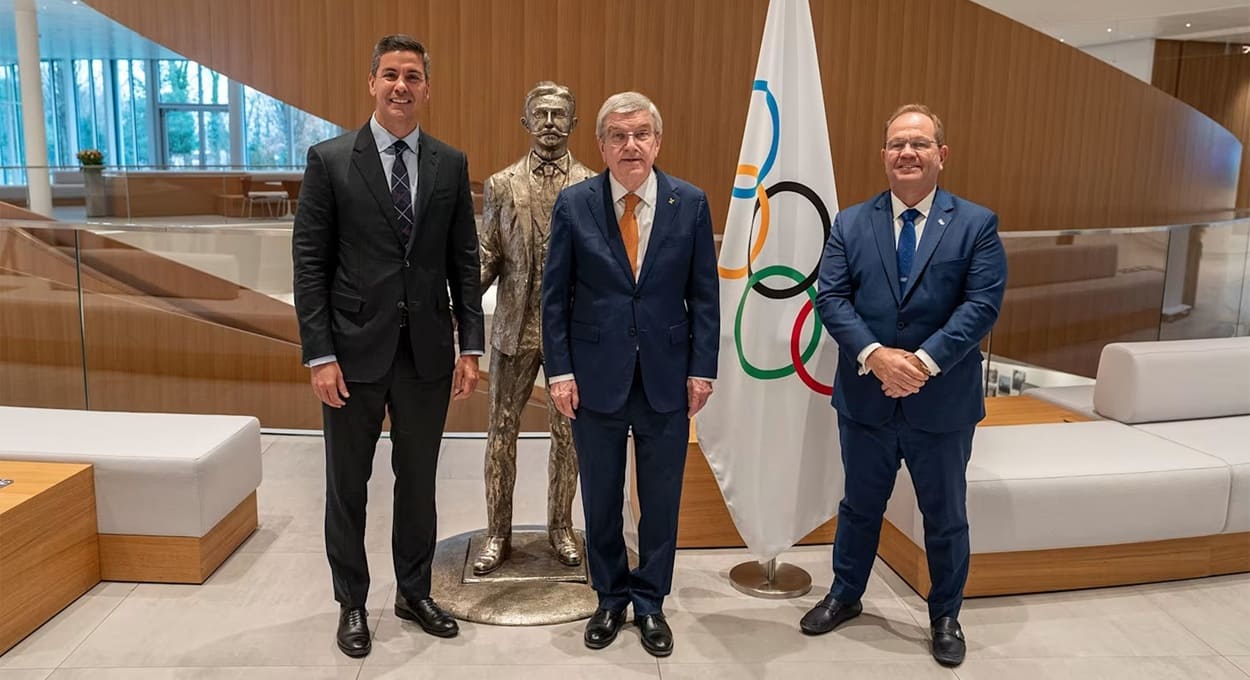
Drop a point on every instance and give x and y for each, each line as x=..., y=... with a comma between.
x=883, y=231
x=935, y=225
x=427, y=169
x=666, y=206
x=599, y=203
x=369, y=164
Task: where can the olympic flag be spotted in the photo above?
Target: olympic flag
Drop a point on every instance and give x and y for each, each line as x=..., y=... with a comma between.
x=769, y=431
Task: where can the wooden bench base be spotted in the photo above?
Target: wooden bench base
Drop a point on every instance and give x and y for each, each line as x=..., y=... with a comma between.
x=176, y=559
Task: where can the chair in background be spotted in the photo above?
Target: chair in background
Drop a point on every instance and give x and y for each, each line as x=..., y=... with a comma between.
x=255, y=193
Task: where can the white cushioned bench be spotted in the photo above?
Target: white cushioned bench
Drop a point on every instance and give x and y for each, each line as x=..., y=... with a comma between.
x=1159, y=490
x=175, y=493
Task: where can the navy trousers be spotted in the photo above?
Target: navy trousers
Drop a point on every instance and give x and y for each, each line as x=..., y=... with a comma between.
x=660, y=460
x=938, y=463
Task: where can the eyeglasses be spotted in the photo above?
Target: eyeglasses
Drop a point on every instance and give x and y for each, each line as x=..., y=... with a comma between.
x=918, y=144
x=621, y=137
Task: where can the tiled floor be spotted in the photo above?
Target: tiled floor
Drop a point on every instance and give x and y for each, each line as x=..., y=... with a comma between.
x=268, y=613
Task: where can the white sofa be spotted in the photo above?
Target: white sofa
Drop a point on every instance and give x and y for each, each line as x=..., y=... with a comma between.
x=174, y=492
x=1160, y=478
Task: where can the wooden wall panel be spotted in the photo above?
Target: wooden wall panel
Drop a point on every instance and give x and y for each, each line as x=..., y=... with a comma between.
x=1214, y=78
x=1038, y=130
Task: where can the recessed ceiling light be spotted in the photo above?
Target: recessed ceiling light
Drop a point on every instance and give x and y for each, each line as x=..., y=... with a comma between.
x=1062, y=40
x=1187, y=24
x=1108, y=30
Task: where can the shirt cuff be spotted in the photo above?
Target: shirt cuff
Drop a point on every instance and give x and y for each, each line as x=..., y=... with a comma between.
x=563, y=377
x=327, y=359
x=472, y=353
x=929, y=363
x=863, y=356
x=699, y=377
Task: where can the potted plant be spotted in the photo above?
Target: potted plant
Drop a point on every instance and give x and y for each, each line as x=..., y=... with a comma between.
x=92, y=166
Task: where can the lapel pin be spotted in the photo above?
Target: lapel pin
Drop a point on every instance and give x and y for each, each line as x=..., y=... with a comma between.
x=942, y=221
x=672, y=201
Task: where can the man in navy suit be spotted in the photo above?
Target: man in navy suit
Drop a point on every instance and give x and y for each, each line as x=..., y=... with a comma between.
x=631, y=329
x=910, y=282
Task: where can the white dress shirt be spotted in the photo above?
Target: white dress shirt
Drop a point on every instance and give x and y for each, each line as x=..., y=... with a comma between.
x=925, y=206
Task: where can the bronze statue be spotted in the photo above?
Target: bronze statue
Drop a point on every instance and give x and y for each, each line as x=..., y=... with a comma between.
x=516, y=220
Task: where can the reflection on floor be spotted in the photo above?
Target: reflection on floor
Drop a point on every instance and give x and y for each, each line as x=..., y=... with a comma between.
x=268, y=613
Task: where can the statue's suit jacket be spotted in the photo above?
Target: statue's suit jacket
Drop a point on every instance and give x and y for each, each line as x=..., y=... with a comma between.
x=507, y=237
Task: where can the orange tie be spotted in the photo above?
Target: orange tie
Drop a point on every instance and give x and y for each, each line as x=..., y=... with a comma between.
x=629, y=230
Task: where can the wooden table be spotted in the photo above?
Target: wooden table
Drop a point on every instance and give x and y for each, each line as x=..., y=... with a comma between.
x=49, y=553
x=705, y=522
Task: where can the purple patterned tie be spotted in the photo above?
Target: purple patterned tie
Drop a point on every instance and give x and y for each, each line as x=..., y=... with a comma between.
x=401, y=191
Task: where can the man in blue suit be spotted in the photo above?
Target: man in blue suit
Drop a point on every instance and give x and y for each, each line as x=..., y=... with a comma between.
x=910, y=282
x=631, y=329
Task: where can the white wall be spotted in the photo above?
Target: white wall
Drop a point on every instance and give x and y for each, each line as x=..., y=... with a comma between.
x=1135, y=57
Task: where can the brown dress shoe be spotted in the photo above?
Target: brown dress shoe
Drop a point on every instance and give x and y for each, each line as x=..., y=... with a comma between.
x=565, y=546
x=494, y=552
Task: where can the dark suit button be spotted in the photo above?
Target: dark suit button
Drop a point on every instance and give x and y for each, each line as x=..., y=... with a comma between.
x=400, y=304
x=637, y=296
x=407, y=264
x=632, y=331
x=901, y=325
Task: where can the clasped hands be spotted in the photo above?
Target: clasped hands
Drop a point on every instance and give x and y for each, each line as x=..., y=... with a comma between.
x=901, y=373
x=564, y=396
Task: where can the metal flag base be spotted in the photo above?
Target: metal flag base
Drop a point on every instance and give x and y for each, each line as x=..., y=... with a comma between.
x=773, y=581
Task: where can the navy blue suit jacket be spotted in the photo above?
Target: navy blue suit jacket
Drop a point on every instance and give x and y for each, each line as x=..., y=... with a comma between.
x=950, y=303
x=597, y=321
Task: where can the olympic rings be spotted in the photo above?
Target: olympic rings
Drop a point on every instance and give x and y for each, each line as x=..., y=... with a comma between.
x=774, y=373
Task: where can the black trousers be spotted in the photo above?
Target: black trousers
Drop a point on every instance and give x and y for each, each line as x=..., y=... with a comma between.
x=418, y=411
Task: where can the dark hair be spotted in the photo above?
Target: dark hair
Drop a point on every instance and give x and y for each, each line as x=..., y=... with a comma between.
x=398, y=43
x=546, y=87
x=939, y=131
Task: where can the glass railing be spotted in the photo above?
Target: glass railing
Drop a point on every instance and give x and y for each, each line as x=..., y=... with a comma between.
x=178, y=194
x=151, y=315
x=1070, y=293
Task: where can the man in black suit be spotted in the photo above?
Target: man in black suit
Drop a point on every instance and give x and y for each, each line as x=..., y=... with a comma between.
x=385, y=249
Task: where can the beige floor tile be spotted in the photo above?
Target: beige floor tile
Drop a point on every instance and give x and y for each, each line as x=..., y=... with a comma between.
x=256, y=610
x=25, y=674
x=920, y=669
x=402, y=644
x=224, y=673
x=1217, y=610
x=52, y=642
x=514, y=670
x=1105, y=668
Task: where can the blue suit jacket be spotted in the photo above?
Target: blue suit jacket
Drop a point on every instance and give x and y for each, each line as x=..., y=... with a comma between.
x=950, y=304
x=597, y=321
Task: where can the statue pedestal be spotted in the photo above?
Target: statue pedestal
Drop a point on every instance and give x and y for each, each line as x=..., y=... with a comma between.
x=532, y=588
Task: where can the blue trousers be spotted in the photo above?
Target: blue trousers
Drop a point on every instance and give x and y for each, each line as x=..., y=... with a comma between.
x=938, y=462
x=660, y=460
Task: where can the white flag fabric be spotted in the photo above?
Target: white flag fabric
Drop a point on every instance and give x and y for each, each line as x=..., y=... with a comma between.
x=769, y=432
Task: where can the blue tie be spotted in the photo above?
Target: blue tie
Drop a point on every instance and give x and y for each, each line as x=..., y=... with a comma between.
x=401, y=191
x=906, y=247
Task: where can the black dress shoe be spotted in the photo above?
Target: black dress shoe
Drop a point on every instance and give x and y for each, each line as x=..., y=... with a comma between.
x=427, y=614
x=657, y=637
x=948, y=642
x=829, y=614
x=353, y=634
x=602, y=628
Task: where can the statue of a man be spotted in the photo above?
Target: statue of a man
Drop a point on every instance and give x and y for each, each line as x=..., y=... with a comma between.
x=516, y=221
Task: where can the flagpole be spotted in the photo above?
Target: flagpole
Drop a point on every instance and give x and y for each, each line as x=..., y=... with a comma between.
x=770, y=580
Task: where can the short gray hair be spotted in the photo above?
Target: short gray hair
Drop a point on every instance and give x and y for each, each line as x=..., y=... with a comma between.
x=546, y=87
x=628, y=102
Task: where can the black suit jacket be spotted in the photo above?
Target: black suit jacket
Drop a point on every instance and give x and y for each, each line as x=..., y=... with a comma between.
x=354, y=277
